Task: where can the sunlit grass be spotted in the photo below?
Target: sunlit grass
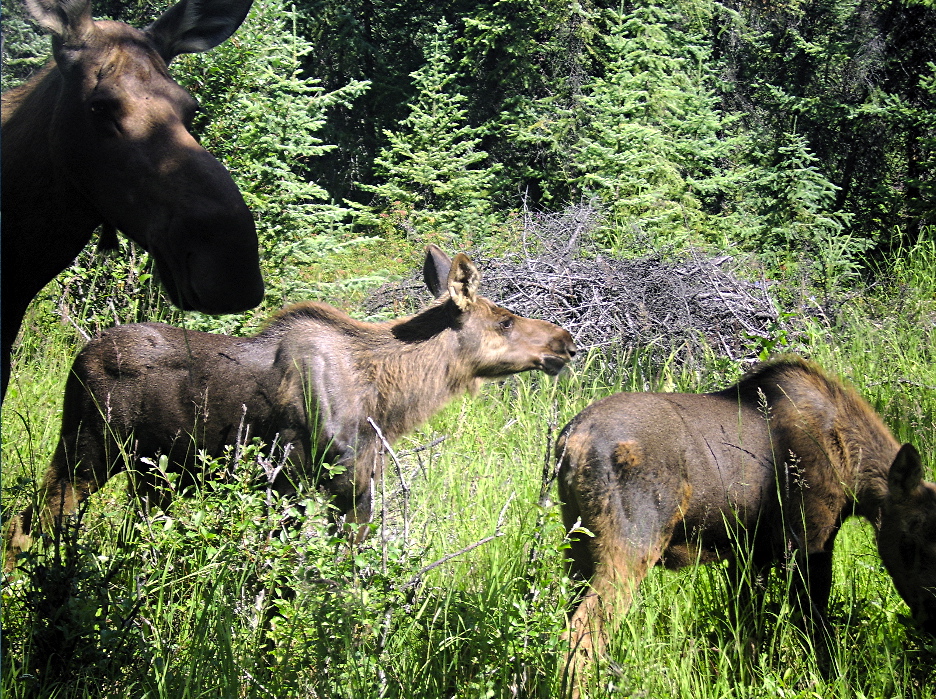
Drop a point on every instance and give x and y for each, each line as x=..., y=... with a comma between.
x=180, y=603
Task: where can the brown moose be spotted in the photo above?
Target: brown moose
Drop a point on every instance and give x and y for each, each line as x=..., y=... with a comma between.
x=100, y=136
x=773, y=464
x=310, y=380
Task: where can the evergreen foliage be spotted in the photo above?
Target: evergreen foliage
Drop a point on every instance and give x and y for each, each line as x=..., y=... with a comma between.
x=434, y=180
x=264, y=117
x=847, y=76
x=523, y=61
x=649, y=136
x=24, y=46
x=800, y=227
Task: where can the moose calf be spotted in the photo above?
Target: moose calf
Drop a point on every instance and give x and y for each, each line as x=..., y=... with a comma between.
x=773, y=464
x=309, y=382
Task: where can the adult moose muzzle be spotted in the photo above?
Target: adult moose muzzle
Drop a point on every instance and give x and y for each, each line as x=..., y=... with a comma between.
x=101, y=136
x=310, y=382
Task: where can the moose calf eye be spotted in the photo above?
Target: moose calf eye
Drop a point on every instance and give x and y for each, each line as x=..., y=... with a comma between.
x=506, y=323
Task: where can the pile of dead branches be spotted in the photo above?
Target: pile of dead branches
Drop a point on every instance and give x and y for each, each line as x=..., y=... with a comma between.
x=671, y=304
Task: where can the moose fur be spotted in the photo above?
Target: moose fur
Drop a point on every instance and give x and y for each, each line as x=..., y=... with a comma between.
x=308, y=382
x=100, y=136
x=774, y=463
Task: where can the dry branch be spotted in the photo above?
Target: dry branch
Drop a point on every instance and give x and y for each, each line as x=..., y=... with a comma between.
x=671, y=305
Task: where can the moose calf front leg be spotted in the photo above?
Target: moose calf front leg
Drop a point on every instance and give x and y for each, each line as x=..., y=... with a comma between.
x=812, y=585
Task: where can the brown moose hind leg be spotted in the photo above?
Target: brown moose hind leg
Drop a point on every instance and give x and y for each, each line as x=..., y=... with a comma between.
x=60, y=494
x=629, y=511
x=606, y=598
x=59, y=499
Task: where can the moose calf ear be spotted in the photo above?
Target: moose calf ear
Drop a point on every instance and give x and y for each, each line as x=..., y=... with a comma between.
x=193, y=26
x=463, y=281
x=69, y=20
x=436, y=270
x=906, y=473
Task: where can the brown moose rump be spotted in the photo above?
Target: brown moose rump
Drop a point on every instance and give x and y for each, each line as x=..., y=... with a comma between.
x=773, y=465
x=673, y=461
x=314, y=382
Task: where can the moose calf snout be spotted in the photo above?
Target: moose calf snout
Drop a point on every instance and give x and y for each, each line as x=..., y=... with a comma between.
x=566, y=345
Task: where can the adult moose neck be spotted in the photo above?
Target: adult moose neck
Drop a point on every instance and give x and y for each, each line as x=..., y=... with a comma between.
x=37, y=198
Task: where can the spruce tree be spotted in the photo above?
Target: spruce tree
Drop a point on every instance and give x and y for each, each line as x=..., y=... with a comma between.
x=434, y=180
x=649, y=139
x=263, y=120
x=801, y=230
x=24, y=47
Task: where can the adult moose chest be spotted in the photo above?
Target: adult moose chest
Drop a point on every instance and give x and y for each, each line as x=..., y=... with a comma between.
x=100, y=136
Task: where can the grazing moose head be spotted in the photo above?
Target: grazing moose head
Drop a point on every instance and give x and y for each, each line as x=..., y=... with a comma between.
x=101, y=136
x=907, y=536
x=315, y=381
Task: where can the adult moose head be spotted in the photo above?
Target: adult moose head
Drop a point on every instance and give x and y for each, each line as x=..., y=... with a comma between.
x=315, y=382
x=101, y=136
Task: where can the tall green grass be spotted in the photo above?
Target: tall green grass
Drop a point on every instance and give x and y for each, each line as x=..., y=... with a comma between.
x=459, y=591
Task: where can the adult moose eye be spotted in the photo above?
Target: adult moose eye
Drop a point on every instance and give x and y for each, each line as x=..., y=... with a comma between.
x=506, y=323
x=104, y=113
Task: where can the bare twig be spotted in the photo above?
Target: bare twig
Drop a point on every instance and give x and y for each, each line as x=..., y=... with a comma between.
x=602, y=301
x=471, y=547
x=423, y=447
x=403, y=484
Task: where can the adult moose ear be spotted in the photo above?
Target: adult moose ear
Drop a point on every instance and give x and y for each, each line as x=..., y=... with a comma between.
x=69, y=20
x=436, y=270
x=906, y=473
x=193, y=26
x=463, y=281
